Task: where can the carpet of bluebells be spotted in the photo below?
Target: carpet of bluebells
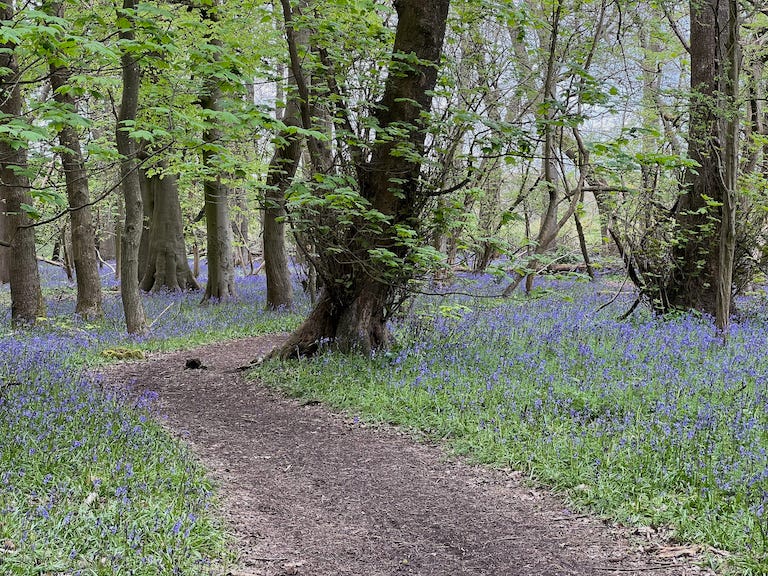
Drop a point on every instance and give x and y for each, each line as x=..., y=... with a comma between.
x=649, y=421
x=90, y=484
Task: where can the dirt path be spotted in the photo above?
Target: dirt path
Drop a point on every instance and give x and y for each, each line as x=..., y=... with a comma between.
x=313, y=493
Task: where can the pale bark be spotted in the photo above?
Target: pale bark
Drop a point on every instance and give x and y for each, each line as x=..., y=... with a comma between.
x=167, y=267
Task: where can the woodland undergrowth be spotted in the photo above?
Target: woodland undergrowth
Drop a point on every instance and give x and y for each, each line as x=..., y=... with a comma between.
x=647, y=421
x=90, y=482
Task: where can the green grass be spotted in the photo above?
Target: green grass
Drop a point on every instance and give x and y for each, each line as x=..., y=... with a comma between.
x=645, y=422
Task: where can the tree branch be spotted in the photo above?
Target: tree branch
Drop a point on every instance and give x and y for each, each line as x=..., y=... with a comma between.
x=445, y=191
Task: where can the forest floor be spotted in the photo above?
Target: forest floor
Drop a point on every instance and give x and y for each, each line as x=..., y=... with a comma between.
x=310, y=492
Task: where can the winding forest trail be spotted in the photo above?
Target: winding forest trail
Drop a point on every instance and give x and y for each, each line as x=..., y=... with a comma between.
x=310, y=492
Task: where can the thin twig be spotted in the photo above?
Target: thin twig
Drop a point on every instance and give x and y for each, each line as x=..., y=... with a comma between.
x=161, y=314
x=107, y=264
x=641, y=569
x=615, y=296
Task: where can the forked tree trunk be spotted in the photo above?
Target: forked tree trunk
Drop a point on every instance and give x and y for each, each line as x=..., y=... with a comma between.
x=167, y=267
x=548, y=228
x=89, y=297
x=26, y=295
x=135, y=318
x=351, y=311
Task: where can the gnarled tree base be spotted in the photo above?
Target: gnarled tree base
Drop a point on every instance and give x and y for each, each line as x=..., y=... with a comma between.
x=359, y=327
x=168, y=272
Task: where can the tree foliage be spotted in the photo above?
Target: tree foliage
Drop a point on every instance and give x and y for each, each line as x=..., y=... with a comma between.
x=555, y=131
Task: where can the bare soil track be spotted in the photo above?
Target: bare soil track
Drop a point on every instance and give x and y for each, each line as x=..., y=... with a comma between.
x=310, y=492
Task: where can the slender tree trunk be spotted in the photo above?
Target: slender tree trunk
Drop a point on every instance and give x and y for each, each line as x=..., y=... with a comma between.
x=221, y=271
x=119, y=219
x=282, y=169
x=89, y=299
x=583, y=245
x=66, y=251
x=106, y=232
x=240, y=224
x=167, y=266
x=195, y=259
x=729, y=128
x=548, y=228
x=147, y=207
x=135, y=318
x=26, y=294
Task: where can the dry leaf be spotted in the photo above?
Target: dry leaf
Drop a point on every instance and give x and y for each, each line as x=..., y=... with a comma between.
x=8, y=545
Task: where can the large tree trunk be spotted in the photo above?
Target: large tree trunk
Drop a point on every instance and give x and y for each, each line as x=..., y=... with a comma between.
x=83, y=236
x=221, y=270
x=167, y=267
x=351, y=311
x=135, y=318
x=26, y=295
x=701, y=274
